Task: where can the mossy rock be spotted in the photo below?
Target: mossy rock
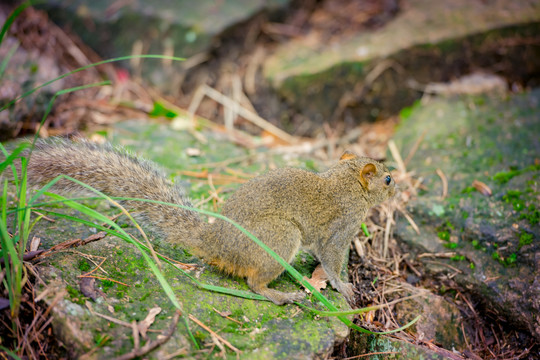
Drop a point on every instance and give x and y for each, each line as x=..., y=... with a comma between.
x=495, y=239
x=427, y=41
x=182, y=27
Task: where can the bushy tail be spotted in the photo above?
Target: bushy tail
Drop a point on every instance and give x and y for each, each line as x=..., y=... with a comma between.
x=115, y=172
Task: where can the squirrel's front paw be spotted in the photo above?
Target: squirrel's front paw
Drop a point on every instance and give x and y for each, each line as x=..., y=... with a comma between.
x=346, y=289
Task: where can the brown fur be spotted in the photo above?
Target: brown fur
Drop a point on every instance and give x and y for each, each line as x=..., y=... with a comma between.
x=287, y=209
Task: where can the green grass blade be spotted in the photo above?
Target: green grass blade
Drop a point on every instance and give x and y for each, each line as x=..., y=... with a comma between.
x=53, y=99
x=364, y=229
x=11, y=157
x=9, y=21
x=239, y=293
x=10, y=353
x=10, y=163
x=153, y=267
x=23, y=221
x=293, y=272
x=12, y=264
x=8, y=57
x=8, y=248
x=96, y=215
x=4, y=203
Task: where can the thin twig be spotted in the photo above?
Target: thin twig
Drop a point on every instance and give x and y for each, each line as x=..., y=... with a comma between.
x=153, y=344
x=226, y=316
x=386, y=236
x=198, y=322
x=414, y=148
x=410, y=220
x=444, y=183
x=397, y=156
x=94, y=269
x=102, y=278
x=72, y=243
x=373, y=353
x=246, y=114
x=43, y=216
x=109, y=318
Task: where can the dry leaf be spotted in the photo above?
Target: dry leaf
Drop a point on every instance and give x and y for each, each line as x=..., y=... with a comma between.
x=88, y=287
x=34, y=244
x=193, y=152
x=318, y=278
x=481, y=188
x=148, y=321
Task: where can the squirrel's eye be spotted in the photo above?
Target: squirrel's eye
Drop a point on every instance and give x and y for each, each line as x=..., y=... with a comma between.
x=387, y=179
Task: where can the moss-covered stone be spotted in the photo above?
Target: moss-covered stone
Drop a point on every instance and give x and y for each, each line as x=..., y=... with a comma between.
x=183, y=28
x=496, y=238
x=427, y=41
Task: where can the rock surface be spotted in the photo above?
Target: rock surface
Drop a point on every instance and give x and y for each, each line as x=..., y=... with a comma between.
x=367, y=75
x=489, y=244
x=440, y=322
x=181, y=28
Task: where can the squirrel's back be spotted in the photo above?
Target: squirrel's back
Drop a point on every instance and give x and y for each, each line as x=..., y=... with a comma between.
x=117, y=173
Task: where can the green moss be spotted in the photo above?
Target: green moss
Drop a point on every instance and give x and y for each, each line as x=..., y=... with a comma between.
x=107, y=284
x=476, y=244
x=75, y=295
x=510, y=260
x=525, y=239
x=458, y=258
x=531, y=214
x=101, y=339
x=406, y=112
x=468, y=190
x=444, y=235
x=83, y=265
x=505, y=176
x=145, y=296
x=450, y=245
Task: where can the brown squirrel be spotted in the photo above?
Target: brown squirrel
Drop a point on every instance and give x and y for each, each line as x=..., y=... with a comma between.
x=286, y=208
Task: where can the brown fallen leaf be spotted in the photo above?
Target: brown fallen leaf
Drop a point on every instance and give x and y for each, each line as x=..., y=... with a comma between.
x=318, y=278
x=34, y=244
x=482, y=188
x=88, y=288
x=148, y=321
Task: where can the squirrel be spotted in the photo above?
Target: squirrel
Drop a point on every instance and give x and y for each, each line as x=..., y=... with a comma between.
x=286, y=208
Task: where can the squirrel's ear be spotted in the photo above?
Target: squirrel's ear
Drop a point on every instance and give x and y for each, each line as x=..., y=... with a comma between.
x=347, y=155
x=367, y=173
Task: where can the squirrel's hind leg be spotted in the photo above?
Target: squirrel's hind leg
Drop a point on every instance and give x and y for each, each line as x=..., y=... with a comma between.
x=260, y=285
x=284, y=237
